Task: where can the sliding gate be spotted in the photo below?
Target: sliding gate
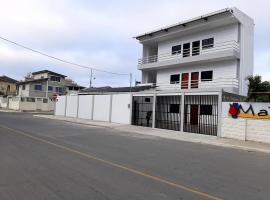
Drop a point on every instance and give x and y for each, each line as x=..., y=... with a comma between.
x=201, y=114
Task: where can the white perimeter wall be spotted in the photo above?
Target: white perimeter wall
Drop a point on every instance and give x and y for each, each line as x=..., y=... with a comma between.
x=246, y=128
x=109, y=108
x=102, y=105
x=85, y=107
x=121, y=108
x=72, y=105
x=60, y=106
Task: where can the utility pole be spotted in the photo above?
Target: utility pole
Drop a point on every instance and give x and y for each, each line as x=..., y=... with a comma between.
x=91, y=76
x=130, y=81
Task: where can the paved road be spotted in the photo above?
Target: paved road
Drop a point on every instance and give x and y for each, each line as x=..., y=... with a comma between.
x=47, y=159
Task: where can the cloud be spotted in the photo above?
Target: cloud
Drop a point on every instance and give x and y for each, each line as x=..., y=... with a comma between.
x=99, y=33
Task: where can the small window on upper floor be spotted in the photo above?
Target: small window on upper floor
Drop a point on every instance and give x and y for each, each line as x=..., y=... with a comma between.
x=23, y=87
x=175, y=78
x=38, y=87
x=207, y=76
x=176, y=49
x=207, y=43
x=55, y=78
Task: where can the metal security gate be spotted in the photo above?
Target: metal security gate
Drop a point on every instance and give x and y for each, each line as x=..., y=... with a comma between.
x=168, y=112
x=142, y=111
x=201, y=114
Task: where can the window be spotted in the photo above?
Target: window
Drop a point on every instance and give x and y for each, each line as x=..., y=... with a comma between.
x=184, y=81
x=55, y=78
x=206, y=109
x=58, y=89
x=175, y=78
x=176, y=49
x=147, y=100
x=186, y=50
x=45, y=100
x=207, y=76
x=23, y=87
x=50, y=88
x=174, y=108
x=195, y=48
x=208, y=43
x=38, y=87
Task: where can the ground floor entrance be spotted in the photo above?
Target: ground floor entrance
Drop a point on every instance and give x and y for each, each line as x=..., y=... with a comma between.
x=198, y=114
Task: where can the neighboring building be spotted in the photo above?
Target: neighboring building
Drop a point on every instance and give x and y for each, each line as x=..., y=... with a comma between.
x=7, y=86
x=43, y=83
x=72, y=87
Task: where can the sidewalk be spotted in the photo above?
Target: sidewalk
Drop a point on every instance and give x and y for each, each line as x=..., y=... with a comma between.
x=169, y=134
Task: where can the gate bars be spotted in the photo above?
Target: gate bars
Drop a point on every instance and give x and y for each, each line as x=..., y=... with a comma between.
x=200, y=113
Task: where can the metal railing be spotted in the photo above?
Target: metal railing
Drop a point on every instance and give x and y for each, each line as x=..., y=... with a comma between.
x=194, y=51
x=200, y=84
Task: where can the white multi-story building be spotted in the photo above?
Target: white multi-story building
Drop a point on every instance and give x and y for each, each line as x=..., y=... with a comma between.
x=193, y=65
x=210, y=52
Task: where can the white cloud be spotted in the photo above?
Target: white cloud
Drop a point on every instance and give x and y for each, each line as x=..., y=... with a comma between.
x=100, y=33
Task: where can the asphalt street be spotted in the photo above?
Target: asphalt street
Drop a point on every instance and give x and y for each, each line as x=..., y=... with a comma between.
x=55, y=160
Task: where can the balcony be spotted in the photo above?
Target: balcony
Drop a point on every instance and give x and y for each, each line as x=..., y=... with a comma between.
x=228, y=84
x=219, y=51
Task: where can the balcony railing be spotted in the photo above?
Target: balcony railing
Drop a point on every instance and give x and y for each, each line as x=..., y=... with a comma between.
x=199, y=84
x=191, y=52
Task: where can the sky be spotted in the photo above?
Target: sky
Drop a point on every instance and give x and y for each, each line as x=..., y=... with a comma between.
x=100, y=34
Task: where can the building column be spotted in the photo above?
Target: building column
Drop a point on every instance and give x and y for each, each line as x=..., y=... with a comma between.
x=182, y=112
x=154, y=111
x=219, y=113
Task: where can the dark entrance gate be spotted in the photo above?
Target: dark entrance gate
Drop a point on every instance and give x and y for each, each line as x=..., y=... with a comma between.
x=168, y=112
x=142, y=111
x=201, y=114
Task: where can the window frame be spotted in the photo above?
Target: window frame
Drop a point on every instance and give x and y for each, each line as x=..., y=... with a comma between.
x=178, y=51
x=175, y=81
x=36, y=87
x=205, y=80
x=208, y=45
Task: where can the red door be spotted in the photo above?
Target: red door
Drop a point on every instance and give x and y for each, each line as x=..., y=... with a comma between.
x=194, y=114
x=184, y=81
x=194, y=79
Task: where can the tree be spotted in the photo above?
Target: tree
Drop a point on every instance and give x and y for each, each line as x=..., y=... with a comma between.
x=258, y=89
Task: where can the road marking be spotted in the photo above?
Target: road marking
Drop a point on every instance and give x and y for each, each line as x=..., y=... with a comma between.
x=116, y=165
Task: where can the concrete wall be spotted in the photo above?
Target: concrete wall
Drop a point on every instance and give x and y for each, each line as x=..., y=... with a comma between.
x=102, y=107
x=3, y=102
x=14, y=103
x=72, y=106
x=86, y=106
x=110, y=108
x=252, y=129
x=60, y=106
x=121, y=108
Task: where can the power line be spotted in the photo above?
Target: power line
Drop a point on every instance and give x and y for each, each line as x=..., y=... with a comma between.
x=59, y=59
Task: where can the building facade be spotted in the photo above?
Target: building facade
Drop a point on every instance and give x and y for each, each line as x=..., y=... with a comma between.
x=7, y=86
x=191, y=64
x=42, y=84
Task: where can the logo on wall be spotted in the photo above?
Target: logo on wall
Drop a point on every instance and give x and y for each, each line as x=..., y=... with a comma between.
x=236, y=110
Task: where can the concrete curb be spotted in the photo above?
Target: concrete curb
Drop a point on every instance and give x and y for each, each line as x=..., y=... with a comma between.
x=172, y=135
